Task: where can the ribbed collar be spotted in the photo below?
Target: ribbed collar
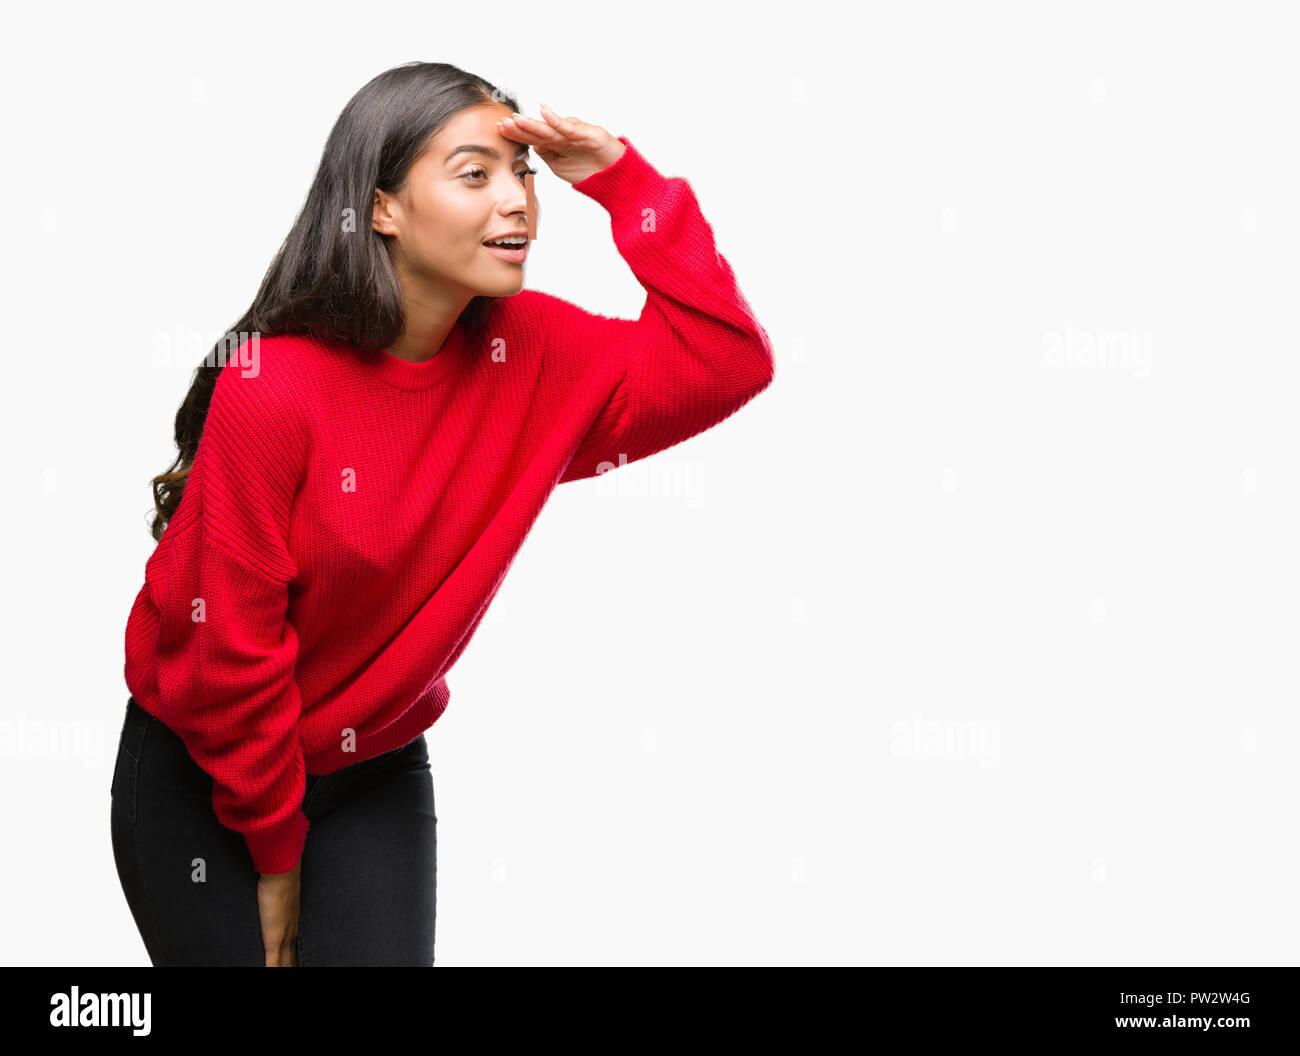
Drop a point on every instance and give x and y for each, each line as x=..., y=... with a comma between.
x=405, y=374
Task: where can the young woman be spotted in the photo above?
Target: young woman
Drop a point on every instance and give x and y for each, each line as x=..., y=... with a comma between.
x=359, y=462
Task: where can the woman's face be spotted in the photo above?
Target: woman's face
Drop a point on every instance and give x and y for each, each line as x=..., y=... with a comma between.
x=455, y=200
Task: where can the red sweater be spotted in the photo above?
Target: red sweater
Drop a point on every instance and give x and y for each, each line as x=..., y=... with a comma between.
x=348, y=519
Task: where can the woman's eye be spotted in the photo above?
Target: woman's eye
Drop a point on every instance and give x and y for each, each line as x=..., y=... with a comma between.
x=483, y=172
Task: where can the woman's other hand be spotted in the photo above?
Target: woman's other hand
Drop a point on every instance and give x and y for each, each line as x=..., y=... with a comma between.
x=278, y=900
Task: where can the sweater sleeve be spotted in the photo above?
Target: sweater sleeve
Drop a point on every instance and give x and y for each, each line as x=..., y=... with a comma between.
x=695, y=356
x=226, y=651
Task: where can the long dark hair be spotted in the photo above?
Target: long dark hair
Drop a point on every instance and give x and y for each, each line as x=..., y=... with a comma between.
x=333, y=278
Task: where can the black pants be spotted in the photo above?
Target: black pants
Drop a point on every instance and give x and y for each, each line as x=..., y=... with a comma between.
x=369, y=867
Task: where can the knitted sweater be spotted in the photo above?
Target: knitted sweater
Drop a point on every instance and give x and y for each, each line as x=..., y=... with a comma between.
x=348, y=518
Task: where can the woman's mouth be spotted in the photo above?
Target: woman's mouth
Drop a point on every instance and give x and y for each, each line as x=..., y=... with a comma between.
x=515, y=254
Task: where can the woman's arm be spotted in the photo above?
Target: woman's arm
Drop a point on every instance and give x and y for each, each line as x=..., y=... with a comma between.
x=696, y=354
x=694, y=357
x=226, y=653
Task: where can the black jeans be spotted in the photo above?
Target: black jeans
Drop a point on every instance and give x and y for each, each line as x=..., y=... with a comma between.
x=369, y=867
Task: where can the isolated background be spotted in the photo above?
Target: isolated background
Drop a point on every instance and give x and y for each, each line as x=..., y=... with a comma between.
x=970, y=641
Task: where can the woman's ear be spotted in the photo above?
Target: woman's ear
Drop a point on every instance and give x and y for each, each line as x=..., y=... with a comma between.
x=381, y=215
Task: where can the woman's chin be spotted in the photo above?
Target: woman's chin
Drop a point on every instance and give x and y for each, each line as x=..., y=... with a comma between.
x=506, y=287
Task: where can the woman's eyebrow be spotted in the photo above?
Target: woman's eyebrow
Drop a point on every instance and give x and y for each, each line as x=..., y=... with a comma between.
x=491, y=152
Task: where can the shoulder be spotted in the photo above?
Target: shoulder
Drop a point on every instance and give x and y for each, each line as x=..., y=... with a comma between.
x=274, y=362
x=564, y=341
x=264, y=386
x=552, y=323
x=530, y=322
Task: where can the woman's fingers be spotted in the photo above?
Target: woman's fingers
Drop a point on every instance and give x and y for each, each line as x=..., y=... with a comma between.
x=573, y=149
x=530, y=130
x=567, y=125
x=577, y=132
x=555, y=132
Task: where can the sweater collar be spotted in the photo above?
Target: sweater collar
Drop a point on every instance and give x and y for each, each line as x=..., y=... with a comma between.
x=405, y=374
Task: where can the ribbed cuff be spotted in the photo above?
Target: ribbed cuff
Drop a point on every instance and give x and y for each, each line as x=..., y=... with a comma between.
x=279, y=849
x=622, y=180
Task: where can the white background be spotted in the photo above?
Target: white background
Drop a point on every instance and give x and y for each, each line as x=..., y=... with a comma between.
x=971, y=641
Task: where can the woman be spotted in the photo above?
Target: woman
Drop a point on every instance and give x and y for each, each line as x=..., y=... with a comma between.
x=351, y=488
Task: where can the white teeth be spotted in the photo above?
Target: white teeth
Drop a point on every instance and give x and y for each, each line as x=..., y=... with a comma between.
x=513, y=240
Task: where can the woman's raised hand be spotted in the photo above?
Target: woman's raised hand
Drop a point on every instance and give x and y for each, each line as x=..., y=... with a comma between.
x=572, y=149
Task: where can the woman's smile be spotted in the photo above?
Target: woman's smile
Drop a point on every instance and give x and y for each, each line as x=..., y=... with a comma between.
x=511, y=254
